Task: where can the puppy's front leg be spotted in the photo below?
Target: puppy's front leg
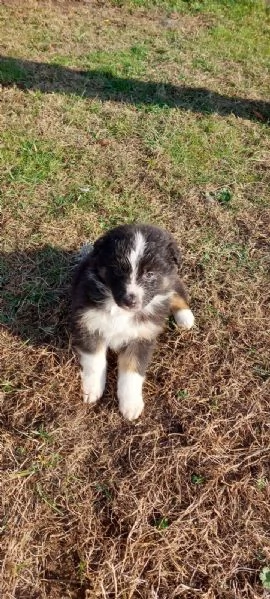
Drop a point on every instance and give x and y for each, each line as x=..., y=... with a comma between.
x=93, y=363
x=179, y=307
x=132, y=364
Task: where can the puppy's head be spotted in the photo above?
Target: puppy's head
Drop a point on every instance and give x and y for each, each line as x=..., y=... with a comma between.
x=136, y=263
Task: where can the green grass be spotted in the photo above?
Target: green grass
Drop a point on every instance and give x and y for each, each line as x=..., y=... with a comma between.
x=195, y=6
x=129, y=62
x=10, y=72
x=28, y=161
x=99, y=199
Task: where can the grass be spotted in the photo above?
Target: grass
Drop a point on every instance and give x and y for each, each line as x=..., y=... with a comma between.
x=28, y=161
x=153, y=111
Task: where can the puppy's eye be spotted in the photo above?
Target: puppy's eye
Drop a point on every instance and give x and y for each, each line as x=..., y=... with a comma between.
x=149, y=276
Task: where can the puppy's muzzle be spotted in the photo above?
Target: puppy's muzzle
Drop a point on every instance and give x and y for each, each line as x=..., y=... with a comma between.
x=130, y=301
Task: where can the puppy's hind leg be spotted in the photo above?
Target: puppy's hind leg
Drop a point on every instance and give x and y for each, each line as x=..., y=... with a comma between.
x=179, y=307
x=132, y=364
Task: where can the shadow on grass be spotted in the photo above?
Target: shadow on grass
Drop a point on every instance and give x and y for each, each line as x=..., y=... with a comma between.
x=35, y=291
x=35, y=294
x=103, y=85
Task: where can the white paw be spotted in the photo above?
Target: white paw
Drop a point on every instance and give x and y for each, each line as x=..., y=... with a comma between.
x=131, y=408
x=184, y=318
x=92, y=387
x=93, y=375
x=129, y=391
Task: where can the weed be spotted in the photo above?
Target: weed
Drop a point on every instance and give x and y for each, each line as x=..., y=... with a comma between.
x=197, y=479
x=262, y=483
x=162, y=524
x=43, y=434
x=7, y=386
x=224, y=196
x=182, y=393
x=265, y=577
x=82, y=568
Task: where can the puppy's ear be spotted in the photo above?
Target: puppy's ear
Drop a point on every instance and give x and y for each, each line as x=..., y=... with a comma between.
x=175, y=252
x=98, y=245
x=100, y=250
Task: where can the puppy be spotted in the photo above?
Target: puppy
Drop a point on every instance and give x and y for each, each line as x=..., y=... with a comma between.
x=123, y=290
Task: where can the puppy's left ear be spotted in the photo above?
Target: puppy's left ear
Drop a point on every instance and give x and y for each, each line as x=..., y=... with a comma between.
x=175, y=252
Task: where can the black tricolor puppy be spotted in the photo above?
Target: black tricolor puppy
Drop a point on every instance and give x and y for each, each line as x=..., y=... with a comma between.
x=123, y=290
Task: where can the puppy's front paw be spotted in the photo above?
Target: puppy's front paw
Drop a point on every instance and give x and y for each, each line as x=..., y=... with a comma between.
x=131, y=408
x=92, y=387
x=184, y=318
x=129, y=391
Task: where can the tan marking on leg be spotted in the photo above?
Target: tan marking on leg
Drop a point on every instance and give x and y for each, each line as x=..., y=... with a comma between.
x=177, y=303
x=128, y=361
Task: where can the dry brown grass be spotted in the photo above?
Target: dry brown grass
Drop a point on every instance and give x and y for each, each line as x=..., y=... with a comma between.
x=85, y=493
x=176, y=505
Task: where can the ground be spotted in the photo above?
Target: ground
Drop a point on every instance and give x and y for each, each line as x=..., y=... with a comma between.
x=115, y=112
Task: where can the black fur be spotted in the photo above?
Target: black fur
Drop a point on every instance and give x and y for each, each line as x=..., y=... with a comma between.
x=105, y=270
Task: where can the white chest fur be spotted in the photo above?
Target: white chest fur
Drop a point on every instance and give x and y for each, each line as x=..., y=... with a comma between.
x=118, y=326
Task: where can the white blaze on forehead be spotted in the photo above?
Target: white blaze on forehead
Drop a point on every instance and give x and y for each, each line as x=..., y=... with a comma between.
x=137, y=252
x=134, y=259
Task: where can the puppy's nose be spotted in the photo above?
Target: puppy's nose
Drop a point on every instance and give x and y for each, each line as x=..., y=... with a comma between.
x=130, y=300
